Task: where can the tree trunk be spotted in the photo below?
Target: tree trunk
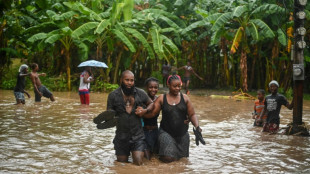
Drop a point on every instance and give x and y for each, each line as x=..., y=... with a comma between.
x=118, y=60
x=255, y=54
x=224, y=51
x=68, y=69
x=244, y=70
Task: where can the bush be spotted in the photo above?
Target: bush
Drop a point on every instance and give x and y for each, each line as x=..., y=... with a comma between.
x=101, y=86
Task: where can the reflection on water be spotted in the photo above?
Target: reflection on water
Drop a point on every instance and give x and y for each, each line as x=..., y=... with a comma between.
x=60, y=137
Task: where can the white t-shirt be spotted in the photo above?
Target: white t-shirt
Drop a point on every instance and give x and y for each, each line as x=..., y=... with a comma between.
x=84, y=86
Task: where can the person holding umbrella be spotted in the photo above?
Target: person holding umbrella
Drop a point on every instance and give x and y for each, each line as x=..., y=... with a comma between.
x=85, y=78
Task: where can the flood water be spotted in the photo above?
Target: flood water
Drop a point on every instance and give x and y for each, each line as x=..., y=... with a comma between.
x=60, y=137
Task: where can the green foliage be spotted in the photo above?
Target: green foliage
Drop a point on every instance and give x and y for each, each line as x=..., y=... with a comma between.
x=101, y=86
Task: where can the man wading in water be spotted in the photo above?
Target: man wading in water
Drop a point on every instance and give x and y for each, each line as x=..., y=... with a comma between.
x=129, y=132
x=39, y=89
x=187, y=76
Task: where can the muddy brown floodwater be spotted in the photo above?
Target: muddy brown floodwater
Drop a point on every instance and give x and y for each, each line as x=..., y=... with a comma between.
x=60, y=137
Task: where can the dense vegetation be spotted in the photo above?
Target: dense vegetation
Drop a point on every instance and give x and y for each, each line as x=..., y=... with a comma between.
x=231, y=43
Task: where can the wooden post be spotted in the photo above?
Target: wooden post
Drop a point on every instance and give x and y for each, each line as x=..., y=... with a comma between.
x=297, y=127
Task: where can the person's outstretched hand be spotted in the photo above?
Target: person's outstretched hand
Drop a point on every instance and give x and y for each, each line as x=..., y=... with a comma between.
x=198, y=136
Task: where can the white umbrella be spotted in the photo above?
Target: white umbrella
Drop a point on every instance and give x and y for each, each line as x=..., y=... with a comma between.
x=93, y=63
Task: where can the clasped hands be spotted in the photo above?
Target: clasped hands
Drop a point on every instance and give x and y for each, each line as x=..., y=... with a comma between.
x=140, y=111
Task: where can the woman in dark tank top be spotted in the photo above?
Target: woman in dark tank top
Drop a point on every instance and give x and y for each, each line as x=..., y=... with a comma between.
x=173, y=117
x=177, y=111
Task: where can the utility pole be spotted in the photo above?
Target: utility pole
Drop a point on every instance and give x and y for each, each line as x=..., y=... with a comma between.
x=297, y=126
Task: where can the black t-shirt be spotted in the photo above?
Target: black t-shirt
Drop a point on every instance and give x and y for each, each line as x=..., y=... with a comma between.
x=273, y=104
x=20, y=84
x=129, y=126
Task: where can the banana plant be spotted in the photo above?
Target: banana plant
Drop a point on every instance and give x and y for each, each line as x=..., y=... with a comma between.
x=60, y=33
x=246, y=22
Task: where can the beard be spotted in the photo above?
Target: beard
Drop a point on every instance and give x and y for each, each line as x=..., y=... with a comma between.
x=127, y=91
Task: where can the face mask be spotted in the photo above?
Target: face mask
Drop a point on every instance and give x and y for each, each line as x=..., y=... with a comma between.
x=127, y=91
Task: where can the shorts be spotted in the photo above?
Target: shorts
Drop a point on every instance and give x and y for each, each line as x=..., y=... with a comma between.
x=84, y=97
x=123, y=147
x=45, y=92
x=151, y=137
x=185, y=79
x=173, y=147
x=271, y=127
x=19, y=96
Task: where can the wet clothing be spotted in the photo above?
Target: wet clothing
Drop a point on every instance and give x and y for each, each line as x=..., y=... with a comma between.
x=186, y=79
x=20, y=84
x=129, y=127
x=19, y=96
x=271, y=127
x=151, y=135
x=173, y=137
x=273, y=104
x=258, y=108
x=169, y=146
x=84, y=89
x=45, y=92
x=124, y=146
x=84, y=97
x=19, y=87
x=173, y=117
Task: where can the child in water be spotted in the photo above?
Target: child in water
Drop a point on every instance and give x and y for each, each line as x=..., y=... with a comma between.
x=150, y=124
x=259, y=105
x=273, y=103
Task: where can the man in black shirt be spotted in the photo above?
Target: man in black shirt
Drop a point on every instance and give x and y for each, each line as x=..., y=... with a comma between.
x=129, y=132
x=19, y=89
x=273, y=103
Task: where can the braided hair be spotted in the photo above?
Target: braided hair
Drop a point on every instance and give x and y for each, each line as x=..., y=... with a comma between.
x=173, y=77
x=151, y=79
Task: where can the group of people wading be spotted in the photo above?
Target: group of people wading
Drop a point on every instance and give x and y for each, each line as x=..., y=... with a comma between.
x=135, y=112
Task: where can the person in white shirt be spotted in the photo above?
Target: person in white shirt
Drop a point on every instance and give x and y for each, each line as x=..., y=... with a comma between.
x=85, y=78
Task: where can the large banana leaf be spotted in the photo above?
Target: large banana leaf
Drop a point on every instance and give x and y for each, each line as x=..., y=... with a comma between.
x=127, y=9
x=212, y=18
x=269, y=9
x=50, y=13
x=157, y=42
x=282, y=37
x=141, y=38
x=67, y=15
x=222, y=20
x=158, y=13
x=53, y=38
x=37, y=37
x=84, y=28
x=215, y=38
x=169, y=43
x=102, y=26
x=253, y=31
x=195, y=25
x=237, y=40
x=238, y=11
x=168, y=21
x=120, y=35
x=265, y=29
x=45, y=26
